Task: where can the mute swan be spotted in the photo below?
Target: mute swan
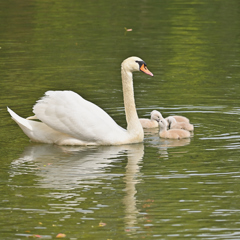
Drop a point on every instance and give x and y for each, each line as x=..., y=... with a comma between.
x=172, y=133
x=68, y=119
x=173, y=124
x=153, y=121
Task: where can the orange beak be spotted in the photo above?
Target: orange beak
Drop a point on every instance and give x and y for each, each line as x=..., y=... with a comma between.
x=144, y=69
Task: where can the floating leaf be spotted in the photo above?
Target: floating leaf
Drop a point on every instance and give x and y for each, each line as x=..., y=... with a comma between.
x=101, y=224
x=128, y=29
x=61, y=235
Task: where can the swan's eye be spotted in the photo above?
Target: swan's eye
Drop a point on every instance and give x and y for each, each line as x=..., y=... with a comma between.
x=141, y=64
x=143, y=67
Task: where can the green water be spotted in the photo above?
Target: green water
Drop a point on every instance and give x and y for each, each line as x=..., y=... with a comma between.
x=159, y=189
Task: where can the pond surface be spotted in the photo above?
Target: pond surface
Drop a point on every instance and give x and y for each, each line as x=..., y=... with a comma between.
x=158, y=189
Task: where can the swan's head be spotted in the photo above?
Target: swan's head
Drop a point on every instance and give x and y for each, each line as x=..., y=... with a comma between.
x=156, y=115
x=134, y=64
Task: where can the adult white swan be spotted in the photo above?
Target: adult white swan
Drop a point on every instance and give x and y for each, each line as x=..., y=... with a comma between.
x=68, y=119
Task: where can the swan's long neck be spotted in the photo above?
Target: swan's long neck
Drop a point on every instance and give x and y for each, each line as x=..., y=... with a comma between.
x=133, y=123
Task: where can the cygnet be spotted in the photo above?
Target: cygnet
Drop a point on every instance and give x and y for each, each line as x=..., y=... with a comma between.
x=174, y=124
x=171, y=133
x=153, y=121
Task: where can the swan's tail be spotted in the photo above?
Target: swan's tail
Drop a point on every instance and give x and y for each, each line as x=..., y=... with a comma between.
x=40, y=132
x=36, y=131
x=32, y=118
x=22, y=122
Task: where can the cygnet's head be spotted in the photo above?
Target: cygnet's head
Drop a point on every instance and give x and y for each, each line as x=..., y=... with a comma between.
x=163, y=123
x=156, y=115
x=170, y=120
x=134, y=64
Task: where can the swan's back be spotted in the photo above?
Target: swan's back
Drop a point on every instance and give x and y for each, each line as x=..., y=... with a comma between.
x=69, y=113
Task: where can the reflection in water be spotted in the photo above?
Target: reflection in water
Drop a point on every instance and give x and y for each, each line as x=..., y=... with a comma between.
x=193, y=47
x=163, y=144
x=65, y=168
x=154, y=139
x=167, y=143
x=131, y=179
x=85, y=167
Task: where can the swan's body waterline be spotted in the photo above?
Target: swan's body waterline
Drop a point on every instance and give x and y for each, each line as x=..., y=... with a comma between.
x=68, y=119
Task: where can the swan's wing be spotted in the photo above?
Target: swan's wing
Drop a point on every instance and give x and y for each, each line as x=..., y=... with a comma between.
x=67, y=112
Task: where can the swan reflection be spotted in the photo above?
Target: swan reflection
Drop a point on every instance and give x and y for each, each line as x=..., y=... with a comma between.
x=71, y=168
x=65, y=168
